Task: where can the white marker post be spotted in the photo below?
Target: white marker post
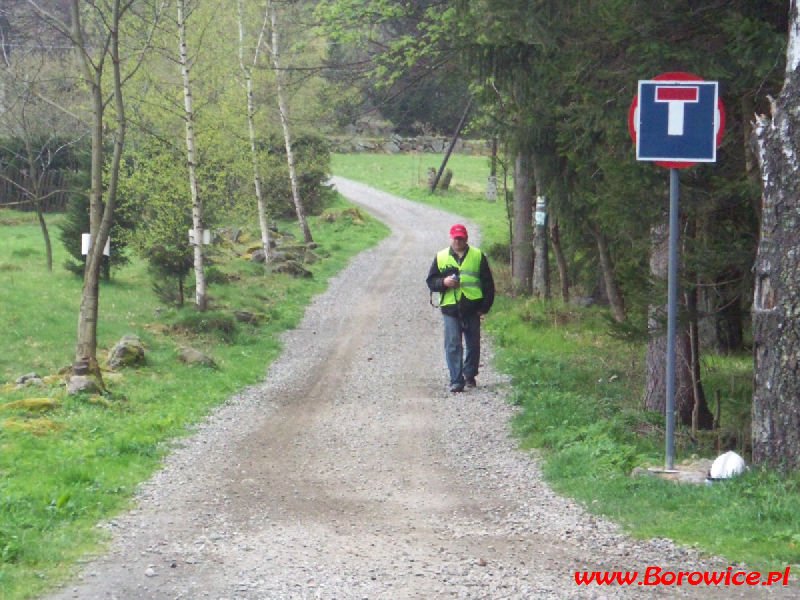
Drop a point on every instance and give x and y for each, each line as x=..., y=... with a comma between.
x=86, y=244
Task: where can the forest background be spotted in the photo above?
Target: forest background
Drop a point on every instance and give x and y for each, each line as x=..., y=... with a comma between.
x=549, y=85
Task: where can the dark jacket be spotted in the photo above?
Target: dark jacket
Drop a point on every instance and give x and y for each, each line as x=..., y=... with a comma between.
x=465, y=306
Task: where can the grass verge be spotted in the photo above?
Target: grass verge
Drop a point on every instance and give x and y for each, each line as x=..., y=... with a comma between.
x=580, y=392
x=67, y=463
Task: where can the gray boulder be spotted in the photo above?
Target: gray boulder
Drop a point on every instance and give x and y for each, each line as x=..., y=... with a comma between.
x=128, y=352
x=293, y=268
x=259, y=256
x=85, y=384
x=192, y=356
x=29, y=379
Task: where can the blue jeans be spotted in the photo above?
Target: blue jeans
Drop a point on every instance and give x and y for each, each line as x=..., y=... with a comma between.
x=462, y=363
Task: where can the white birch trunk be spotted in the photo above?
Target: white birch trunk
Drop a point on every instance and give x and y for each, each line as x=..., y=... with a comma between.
x=248, y=77
x=279, y=79
x=776, y=303
x=197, y=206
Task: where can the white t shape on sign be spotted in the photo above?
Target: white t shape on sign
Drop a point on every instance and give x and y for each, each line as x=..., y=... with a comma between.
x=676, y=97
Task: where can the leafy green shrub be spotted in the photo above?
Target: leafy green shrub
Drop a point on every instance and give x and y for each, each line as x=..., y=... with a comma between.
x=157, y=195
x=312, y=159
x=168, y=270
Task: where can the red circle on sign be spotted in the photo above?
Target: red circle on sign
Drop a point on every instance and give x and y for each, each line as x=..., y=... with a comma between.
x=674, y=76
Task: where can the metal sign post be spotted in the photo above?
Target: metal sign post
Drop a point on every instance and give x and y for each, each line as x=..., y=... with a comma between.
x=672, y=316
x=676, y=120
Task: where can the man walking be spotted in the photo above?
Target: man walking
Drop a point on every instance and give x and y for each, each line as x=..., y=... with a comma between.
x=462, y=276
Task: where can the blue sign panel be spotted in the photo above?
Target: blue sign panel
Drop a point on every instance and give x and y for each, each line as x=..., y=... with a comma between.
x=677, y=121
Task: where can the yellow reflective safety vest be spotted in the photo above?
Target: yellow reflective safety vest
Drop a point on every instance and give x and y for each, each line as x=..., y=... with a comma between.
x=469, y=272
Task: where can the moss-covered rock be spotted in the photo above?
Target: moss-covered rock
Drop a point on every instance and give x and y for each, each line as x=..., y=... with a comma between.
x=37, y=426
x=128, y=352
x=32, y=405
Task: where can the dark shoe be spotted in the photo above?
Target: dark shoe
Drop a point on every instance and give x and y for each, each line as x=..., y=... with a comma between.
x=456, y=387
x=470, y=382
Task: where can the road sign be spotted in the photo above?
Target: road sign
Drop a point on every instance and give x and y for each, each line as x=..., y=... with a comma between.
x=677, y=120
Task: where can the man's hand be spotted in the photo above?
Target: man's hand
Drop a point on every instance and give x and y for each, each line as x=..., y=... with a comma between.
x=451, y=282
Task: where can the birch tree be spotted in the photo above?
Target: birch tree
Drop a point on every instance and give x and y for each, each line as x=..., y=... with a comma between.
x=280, y=79
x=776, y=305
x=248, y=82
x=197, y=205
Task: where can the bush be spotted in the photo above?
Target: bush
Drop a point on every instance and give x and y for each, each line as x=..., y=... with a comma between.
x=312, y=161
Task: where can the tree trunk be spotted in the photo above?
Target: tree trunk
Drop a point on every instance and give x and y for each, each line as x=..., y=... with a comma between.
x=688, y=388
x=522, y=239
x=493, y=168
x=95, y=57
x=452, y=145
x=287, y=135
x=776, y=305
x=544, y=176
x=697, y=413
x=35, y=189
x=48, y=246
x=656, y=355
x=613, y=292
x=197, y=205
x=101, y=213
x=728, y=317
x=541, y=260
x=46, y=234
x=86, y=346
x=561, y=261
x=262, y=211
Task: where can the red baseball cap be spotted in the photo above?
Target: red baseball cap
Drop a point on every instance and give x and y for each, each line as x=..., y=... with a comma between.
x=458, y=230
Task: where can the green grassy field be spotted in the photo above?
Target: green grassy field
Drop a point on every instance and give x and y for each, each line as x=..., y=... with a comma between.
x=67, y=463
x=581, y=388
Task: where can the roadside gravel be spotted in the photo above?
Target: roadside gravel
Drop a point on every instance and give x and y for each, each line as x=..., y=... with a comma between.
x=351, y=473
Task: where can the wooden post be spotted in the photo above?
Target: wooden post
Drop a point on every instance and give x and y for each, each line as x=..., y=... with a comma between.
x=461, y=124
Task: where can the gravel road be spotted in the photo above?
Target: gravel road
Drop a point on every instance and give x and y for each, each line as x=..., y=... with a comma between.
x=351, y=473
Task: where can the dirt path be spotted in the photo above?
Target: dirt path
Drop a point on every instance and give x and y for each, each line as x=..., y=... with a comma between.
x=352, y=473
